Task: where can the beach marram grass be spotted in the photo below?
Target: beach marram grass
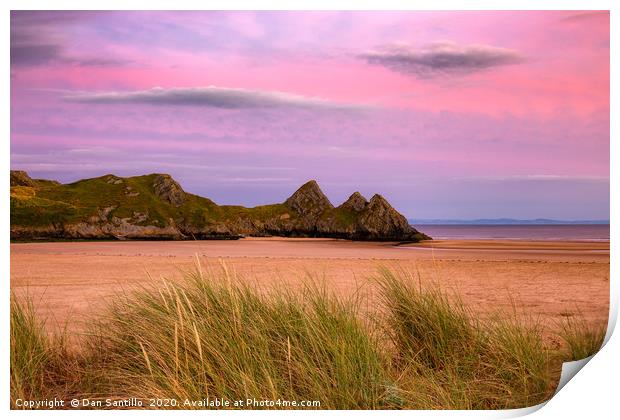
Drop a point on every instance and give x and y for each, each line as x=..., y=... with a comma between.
x=215, y=336
x=449, y=359
x=583, y=340
x=201, y=339
x=41, y=365
x=30, y=352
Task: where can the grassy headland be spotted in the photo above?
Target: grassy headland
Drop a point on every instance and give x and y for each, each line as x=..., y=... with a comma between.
x=155, y=206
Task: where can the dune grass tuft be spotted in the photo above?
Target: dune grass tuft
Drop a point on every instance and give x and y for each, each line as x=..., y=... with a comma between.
x=452, y=360
x=205, y=338
x=582, y=339
x=214, y=336
x=39, y=363
x=29, y=352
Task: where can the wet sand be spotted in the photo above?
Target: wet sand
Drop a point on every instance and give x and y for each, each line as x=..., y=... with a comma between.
x=70, y=281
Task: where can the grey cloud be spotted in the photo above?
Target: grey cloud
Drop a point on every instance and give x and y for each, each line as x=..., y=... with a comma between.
x=52, y=17
x=32, y=45
x=95, y=61
x=36, y=40
x=25, y=55
x=211, y=96
x=441, y=58
x=33, y=54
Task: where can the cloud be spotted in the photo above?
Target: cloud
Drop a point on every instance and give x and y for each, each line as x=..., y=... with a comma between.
x=32, y=44
x=246, y=180
x=538, y=178
x=36, y=40
x=586, y=16
x=441, y=58
x=210, y=96
x=33, y=54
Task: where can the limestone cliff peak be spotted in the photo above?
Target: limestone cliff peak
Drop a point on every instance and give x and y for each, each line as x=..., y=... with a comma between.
x=356, y=202
x=309, y=199
x=168, y=189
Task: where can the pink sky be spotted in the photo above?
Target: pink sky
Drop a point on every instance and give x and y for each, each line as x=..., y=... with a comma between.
x=448, y=114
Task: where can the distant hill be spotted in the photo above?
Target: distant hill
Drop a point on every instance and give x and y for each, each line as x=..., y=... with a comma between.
x=505, y=221
x=155, y=206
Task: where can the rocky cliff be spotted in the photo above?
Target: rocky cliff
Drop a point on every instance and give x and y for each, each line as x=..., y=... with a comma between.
x=21, y=179
x=156, y=207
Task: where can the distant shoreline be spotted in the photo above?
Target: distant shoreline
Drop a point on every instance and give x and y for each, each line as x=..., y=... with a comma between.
x=529, y=232
x=506, y=222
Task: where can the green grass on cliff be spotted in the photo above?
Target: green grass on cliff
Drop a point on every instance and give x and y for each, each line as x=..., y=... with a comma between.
x=342, y=216
x=49, y=203
x=213, y=336
x=129, y=197
x=29, y=208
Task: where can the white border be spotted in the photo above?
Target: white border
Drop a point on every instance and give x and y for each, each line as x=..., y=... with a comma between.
x=593, y=393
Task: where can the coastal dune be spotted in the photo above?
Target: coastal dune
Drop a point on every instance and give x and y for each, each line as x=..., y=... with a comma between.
x=70, y=282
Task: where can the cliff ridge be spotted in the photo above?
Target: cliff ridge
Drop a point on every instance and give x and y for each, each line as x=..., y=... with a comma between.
x=155, y=206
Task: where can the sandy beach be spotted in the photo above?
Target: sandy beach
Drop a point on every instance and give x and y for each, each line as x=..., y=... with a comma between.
x=70, y=281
